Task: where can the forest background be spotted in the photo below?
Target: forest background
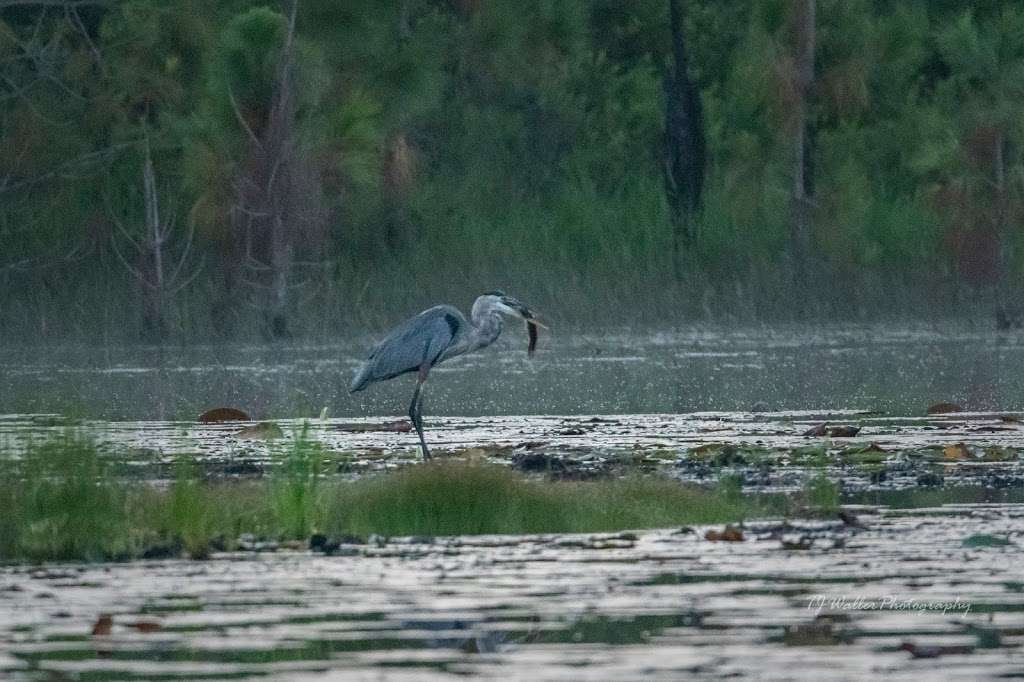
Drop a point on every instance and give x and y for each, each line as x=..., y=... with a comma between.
x=194, y=170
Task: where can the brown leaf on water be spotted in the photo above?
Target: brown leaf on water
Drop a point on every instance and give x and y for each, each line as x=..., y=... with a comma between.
x=956, y=453
x=815, y=431
x=944, y=408
x=729, y=534
x=103, y=625
x=223, y=414
x=261, y=431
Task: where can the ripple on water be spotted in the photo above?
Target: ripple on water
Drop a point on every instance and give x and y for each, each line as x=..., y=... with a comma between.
x=663, y=605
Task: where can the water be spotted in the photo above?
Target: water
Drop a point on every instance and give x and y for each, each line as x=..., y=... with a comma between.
x=666, y=604
x=895, y=370
x=650, y=605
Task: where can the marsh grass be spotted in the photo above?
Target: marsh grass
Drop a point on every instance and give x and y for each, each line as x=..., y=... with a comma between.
x=821, y=494
x=63, y=503
x=295, y=485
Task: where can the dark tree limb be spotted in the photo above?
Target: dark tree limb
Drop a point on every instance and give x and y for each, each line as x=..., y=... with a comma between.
x=684, y=161
x=803, y=158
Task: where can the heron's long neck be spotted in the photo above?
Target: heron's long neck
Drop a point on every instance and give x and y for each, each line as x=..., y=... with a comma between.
x=486, y=328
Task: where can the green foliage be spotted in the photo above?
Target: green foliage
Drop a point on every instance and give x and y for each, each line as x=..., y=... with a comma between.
x=985, y=540
x=521, y=141
x=61, y=504
x=296, y=484
x=190, y=512
x=246, y=63
x=821, y=494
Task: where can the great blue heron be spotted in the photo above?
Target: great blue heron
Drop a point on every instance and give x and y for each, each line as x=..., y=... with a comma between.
x=433, y=336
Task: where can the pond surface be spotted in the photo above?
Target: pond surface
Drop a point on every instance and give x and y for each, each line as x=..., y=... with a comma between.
x=769, y=452
x=899, y=595
x=935, y=592
x=895, y=370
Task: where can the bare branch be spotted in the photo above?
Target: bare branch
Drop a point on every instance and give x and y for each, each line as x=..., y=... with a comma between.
x=188, y=280
x=184, y=252
x=72, y=15
x=128, y=266
x=118, y=224
x=241, y=119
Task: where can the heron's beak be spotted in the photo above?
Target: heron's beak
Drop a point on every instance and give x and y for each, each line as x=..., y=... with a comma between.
x=517, y=307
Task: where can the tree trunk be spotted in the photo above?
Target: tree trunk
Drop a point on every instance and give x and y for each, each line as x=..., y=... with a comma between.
x=803, y=158
x=270, y=204
x=684, y=144
x=154, y=324
x=397, y=179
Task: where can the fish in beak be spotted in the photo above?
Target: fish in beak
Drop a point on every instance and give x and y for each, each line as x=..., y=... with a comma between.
x=532, y=323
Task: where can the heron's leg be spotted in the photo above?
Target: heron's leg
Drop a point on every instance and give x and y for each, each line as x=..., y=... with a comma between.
x=416, y=409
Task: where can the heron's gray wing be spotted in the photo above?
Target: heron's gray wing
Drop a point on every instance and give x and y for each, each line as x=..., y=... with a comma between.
x=417, y=341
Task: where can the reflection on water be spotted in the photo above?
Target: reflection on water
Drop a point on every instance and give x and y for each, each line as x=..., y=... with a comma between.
x=653, y=605
x=896, y=370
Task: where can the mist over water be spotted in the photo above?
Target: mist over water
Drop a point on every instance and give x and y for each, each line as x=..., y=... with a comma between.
x=895, y=370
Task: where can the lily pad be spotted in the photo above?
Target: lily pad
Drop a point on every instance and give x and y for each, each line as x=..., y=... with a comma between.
x=261, y=431
x=999, y=453
x=957, y=452
x=944, y=408
x=816, y=431
x=985, y=540
x=729, y=534
x=223, y=414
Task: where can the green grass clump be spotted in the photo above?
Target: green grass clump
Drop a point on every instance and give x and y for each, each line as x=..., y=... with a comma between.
x=60, y=503
x=444, y=499
x=821, y=494
x=450, y=498
x=295, y=486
